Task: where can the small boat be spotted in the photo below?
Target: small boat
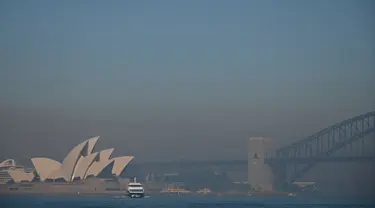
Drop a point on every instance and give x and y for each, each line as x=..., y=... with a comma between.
x=135, y=190
x=292, y=194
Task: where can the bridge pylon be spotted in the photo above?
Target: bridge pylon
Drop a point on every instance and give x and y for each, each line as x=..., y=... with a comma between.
x=260, y=175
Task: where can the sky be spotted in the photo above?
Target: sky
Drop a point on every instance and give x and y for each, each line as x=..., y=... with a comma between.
x=167, y=80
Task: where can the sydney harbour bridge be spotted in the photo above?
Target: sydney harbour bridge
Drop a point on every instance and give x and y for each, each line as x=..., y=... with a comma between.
x=352, y=140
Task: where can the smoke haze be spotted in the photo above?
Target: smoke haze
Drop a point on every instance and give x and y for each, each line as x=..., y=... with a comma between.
x=179, y=80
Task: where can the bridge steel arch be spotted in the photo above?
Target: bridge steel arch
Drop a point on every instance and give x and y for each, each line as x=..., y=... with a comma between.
x=325, y=143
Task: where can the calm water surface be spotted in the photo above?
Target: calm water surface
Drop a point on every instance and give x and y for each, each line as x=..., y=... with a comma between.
x=46, y=201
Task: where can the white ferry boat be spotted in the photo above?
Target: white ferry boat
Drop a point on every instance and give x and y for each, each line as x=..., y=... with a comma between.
x=135, y=190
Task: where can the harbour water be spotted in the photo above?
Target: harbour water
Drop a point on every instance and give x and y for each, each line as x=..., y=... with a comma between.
x=81, y=201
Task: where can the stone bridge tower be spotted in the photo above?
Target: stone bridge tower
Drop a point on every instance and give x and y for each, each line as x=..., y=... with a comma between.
x=260, y=174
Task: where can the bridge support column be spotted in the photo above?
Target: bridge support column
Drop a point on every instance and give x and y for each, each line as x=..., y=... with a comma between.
x=280, y=177
x=260, y=175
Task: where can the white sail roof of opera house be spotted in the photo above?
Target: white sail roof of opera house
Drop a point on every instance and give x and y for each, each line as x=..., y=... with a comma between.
x=69, y=163
x=99, y=165
x=120, y=164
x=45, y=166
x=79, y=163
x=83, y=165
x=104, y=155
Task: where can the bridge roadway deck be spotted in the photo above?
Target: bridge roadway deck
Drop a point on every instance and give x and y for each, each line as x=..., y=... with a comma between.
x=301, y=160
x=306, y=160
x=194, y=163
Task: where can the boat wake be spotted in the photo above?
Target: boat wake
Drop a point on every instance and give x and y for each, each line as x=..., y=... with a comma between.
x=127, y=197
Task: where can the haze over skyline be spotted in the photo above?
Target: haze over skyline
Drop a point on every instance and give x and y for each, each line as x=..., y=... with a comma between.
x=165, y=80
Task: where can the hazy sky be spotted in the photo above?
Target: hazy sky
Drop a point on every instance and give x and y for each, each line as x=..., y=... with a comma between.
x=164, y=80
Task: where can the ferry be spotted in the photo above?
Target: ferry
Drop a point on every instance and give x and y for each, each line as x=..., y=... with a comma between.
x=135, y=190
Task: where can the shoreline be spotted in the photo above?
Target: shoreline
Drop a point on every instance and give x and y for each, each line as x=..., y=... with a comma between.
x=123, y=194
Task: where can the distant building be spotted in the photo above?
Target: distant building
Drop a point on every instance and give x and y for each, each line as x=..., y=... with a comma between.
x=9, y=168
x=80, y=163
x=259, y=174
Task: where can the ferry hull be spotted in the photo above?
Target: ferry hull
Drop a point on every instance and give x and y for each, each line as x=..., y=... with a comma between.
x=136, y=195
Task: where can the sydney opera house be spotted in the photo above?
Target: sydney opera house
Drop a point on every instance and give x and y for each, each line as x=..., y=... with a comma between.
x=82, y=163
